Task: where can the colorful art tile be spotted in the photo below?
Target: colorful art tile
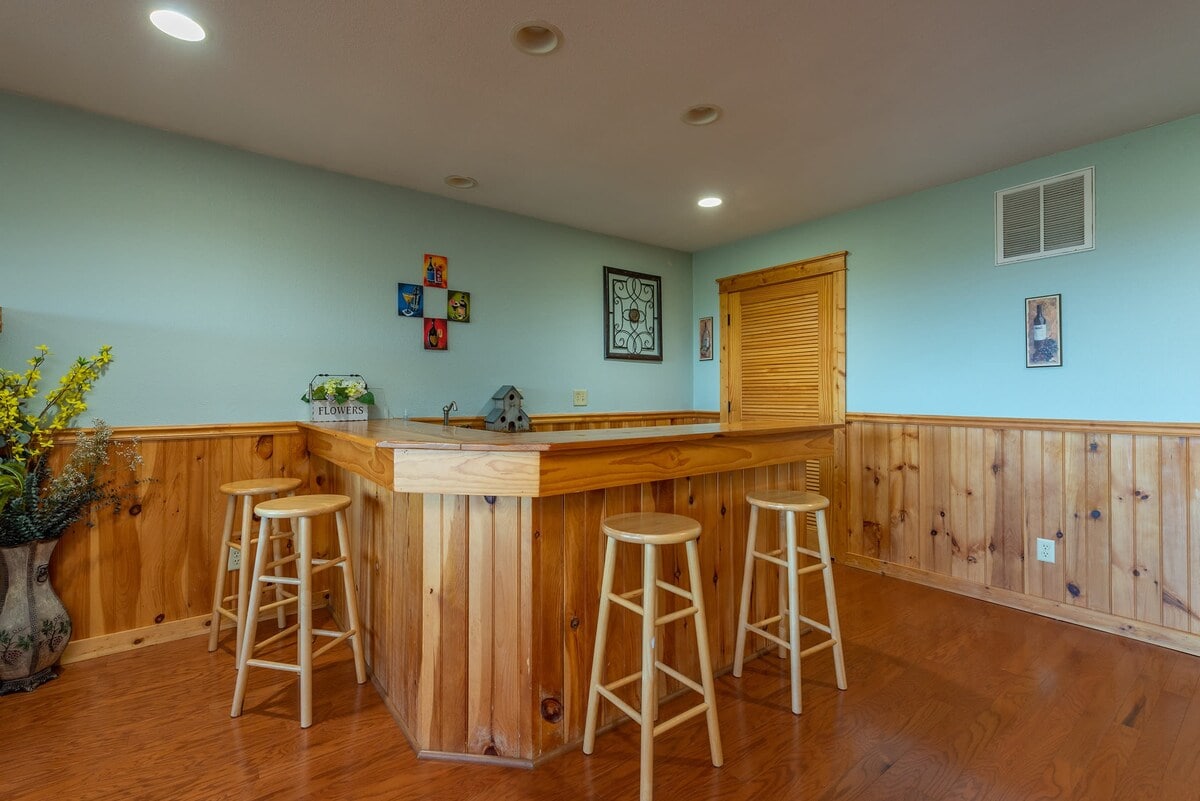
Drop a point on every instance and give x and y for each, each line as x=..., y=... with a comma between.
x=435, y=334
x=458, y=307
x=437, y=269
x=409, y=299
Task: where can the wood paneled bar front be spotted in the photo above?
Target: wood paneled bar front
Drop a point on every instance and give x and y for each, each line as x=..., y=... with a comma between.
x=478, y=558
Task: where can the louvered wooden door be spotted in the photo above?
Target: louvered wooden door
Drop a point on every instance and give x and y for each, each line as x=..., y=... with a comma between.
x=780, y=360
x=783, y=355
x=783, y=344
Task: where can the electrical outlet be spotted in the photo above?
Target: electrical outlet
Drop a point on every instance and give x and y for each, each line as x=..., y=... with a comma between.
x=579, y=397
x=235, y=559
x=1045, y=550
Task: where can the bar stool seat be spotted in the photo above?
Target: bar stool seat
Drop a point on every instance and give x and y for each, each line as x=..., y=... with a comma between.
x=301, y=509
x=241, y=542
x=790, y=503
x=652, y=530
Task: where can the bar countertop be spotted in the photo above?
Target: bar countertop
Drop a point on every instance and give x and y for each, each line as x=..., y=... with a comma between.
x=407, y=456
x=412, y=435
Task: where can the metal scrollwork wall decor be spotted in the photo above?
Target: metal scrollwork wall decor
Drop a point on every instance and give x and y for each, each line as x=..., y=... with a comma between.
x=632, y=315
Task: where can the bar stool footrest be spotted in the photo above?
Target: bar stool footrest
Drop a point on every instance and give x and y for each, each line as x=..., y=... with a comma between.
x=671, y=617
x=290, y=599
x=267, y=663
x=270, y=578
x=633, y=714
x=285, y=560
x=821, y=646
x=630, y=605
x=767, y=557
x=754, y=627
x=815, y=624
x=338, y=638
x=274, y=638
x=682, y=717
x=686, y=681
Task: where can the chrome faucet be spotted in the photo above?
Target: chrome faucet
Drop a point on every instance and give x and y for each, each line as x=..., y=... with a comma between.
x=450, y=407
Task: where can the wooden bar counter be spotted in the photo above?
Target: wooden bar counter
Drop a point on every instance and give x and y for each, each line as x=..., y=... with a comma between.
x=478, y=558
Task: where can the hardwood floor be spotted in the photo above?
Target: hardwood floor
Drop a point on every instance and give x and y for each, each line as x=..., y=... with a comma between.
x=950, y=698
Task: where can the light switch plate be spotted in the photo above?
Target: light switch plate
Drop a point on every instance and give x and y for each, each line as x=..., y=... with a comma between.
x=579, y=397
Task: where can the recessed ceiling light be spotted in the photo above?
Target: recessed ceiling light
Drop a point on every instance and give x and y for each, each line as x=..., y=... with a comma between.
x=703, y=114
x=709, y=202
x=537, y=38
x=172, y=23
x=461, y=182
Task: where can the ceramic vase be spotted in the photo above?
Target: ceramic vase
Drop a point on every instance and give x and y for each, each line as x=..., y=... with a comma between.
x=34, y=624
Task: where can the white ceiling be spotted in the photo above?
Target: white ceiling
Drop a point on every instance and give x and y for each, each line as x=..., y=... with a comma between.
x=829, y=104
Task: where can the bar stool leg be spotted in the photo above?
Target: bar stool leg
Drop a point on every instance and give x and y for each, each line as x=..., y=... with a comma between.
x=649, y=669
x=784, y=607
x=706, y=675
x=793, y=581
x=222, y=572
x=246, y=649
x=593, y=704
x=277, y=552
x=305, y=641
x=659, y=637
x=360, y=663
x=739, y=650
x=245, y=536
x=835, y=629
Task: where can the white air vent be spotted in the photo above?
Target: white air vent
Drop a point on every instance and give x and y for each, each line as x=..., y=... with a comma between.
x=1045, y=218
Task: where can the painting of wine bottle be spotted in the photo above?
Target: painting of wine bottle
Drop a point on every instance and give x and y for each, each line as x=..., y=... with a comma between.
x=1043, y=331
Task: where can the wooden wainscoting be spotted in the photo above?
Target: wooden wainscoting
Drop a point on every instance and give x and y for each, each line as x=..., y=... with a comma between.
x=145, y=574
x=959, y=503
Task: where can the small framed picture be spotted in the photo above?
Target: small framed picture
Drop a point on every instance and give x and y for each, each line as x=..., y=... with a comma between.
x=435, y=334
x=1043, y=331
x=409, y=302
x=437, y=270
x=706, y=339
x=458, y=307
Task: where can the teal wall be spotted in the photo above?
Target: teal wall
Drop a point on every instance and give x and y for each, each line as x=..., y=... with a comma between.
x=935, y=327
x=224, y=280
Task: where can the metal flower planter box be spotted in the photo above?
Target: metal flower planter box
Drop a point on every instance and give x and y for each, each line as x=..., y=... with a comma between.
x=329, y=410
x=326, y=411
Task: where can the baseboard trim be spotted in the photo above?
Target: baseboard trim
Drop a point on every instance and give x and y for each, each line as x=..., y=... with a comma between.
x=132, y=640
x=107, y=644
x=1080, y=616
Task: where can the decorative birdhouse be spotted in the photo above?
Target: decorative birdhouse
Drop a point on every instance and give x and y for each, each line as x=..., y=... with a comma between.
x=507, y=416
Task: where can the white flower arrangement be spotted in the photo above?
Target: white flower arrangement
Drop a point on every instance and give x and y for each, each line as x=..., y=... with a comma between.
x=340, y=390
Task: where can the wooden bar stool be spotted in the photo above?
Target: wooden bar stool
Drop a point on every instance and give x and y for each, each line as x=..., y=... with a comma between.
x=241, y=542
x=790, y=503
x=652, y=530
x=301, y=509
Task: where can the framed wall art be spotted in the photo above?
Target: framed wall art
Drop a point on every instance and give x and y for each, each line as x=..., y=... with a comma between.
x=706, y=339
x=410, y=299
x=458, y=307
x=1043, y=331
x=437, y=269
x=632, y=316
x=435, y=334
